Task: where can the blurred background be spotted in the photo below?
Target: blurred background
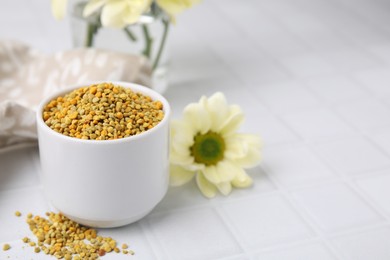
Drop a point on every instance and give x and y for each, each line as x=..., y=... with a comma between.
x=242, y=44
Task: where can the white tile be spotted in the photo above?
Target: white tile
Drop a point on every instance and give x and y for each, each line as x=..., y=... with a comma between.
x=261, y=185
x=334, y=207
x=352, y=155
x=386, y=99
x=24, y=200
x=260, y=72
x=258, y=119
x=240, y=257
x=280, y=44
x=278, y=9
x=20, y=250
x=304, y=252
x=376, y=80
x=17, y=169
x=265, y=221
x=270, y=35
x=295, y=165
x=370, y=245
x=382, y=139
x=193, y=234
x=207, y=65
x=184, y=196
x=264, y=21
x=317, y=123
x=271, y=129
x=381, y=51
x=375, y=13
x=377, y=188
x=245, y=98
x=335, y=89
x=216, y=29
x=307, y=65
x=361, y=33
x=252, y=54
x=286, y=97
x=133, y=236
x=324, y=41
x=301, y=22
x=234, y=8
x=366, y=114
x=351, y=59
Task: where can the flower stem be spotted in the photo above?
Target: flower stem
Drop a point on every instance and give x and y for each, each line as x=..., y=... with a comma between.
x=91, y=30
x=148, y=41
x=162, y=44
x=130, y=34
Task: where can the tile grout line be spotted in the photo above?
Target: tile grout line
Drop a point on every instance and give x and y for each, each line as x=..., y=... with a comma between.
x=303, y=214
x=236, y=236
x=151, y=239
x=350, y=181
x=256, y=45
x=337, y=176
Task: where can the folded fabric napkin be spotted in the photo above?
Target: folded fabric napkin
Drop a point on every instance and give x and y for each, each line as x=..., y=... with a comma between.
x=26, y=76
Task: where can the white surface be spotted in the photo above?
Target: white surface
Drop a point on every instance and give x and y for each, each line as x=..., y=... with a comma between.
x=313, y=79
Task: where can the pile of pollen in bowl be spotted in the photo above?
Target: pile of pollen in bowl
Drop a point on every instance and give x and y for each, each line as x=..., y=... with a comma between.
x=102, y=112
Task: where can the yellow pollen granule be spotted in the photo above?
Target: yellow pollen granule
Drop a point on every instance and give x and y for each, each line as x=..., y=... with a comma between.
x=102, y=112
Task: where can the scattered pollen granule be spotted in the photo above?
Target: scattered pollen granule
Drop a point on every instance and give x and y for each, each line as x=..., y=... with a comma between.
x=65, y=239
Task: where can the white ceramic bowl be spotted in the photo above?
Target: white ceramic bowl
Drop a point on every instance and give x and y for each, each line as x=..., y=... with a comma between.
x=105, y=183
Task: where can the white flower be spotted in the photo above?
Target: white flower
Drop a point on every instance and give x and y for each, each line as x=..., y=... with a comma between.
x=58, y=8
x=205, y=144
x=117, y=13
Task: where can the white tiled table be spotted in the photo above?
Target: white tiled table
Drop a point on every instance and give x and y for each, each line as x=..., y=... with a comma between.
x=313, y=77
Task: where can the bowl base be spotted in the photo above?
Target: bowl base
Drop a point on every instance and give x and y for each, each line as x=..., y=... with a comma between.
x=104, y=223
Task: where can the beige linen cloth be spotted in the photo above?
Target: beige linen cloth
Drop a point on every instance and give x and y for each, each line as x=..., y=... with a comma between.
x=27, y=76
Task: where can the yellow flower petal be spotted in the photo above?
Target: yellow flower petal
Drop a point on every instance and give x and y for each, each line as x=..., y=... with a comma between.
x=119, y=13
x=233, y=122
x=242, y=180
x=227, y=170
x=218, y=109
x=112, y=14
x=238, y=145
x=134, y=10
x=180, y=158
x=92, y=6
x=196, y=116
x=179, y=175
x=58, y=8
x=252, y=140
x=194, y=166
x=182, y=134
x=210, y=173
x=208, y=189
x=225, y=188
x=253, y=155
x=235, y=148
x=251, y=160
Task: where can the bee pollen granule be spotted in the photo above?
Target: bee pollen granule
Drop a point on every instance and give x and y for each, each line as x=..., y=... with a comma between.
x=6, y=247
x=65, y=239
x=102, y=112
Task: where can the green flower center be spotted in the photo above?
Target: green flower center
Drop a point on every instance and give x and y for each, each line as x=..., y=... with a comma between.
x=208, y=148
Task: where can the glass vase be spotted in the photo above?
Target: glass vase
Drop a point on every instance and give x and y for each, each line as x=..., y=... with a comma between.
x=147, y=37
